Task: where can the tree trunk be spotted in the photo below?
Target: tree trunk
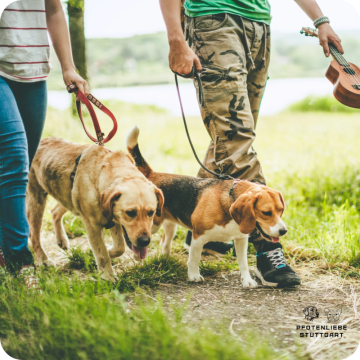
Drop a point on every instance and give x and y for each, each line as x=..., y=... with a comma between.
x=77, y=36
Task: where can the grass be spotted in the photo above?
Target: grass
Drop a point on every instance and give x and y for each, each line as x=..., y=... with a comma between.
x=321, y=104
x=83, y=319
x=311, y=157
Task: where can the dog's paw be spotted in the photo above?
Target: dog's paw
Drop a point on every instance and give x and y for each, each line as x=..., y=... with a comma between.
x=48, y=263
x=195, y=277
x=63, y=243
x=248, y=282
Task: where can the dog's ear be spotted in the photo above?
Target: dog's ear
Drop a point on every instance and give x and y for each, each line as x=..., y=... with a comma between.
x=107, y=199
x=243, y=212
x=282, y=199
x=326, y=311
x=306, y=311
x=160, y=199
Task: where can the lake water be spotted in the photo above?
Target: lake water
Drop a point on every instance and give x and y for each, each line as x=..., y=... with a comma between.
x=280, y=93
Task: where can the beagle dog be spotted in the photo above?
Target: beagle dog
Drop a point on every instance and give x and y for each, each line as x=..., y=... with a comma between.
x=214, y=210
x=103, y=187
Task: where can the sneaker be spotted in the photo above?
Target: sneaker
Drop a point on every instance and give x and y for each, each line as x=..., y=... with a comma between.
x=27, y=272
x=213, y=248
x=273, y=270
x=2, y=259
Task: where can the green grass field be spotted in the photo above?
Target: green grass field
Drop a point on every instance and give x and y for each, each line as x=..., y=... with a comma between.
x=312, y=157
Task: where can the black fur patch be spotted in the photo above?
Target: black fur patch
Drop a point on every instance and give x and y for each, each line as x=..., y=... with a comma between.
x=182, y=194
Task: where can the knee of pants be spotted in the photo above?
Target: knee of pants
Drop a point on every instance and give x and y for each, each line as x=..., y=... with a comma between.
x=14, y=161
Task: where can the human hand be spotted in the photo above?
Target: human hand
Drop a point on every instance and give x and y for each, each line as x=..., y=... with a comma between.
x=182, y=57
x=326, y=36
x=72, y=77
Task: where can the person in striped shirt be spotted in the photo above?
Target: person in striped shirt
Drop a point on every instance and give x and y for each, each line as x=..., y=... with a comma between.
x=24, y=67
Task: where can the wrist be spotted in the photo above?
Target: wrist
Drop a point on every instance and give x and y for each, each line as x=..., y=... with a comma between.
x=176, y=37
x=68, y=67
x=323, y=26
x=321, y=20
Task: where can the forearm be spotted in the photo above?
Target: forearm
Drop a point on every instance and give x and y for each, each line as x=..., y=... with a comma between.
x=326, y=33
x=171, y=10
x=311, y=8
x=59, y=33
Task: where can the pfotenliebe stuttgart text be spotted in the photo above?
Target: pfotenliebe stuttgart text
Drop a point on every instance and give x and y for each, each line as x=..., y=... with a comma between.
x=324, y=328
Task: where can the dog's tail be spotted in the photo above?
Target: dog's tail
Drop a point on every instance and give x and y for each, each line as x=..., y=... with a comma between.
x=133, y=148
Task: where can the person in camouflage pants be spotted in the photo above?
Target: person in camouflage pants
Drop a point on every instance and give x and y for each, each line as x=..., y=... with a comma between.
x=233, y=84
x=232, y=51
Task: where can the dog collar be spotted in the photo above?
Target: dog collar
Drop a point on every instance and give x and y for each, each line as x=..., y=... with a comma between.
x=236, y=181
x=127, y=240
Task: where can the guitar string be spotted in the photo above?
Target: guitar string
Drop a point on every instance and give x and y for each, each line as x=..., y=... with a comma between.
x=355, y=75
x=338, y=56
x=341, y=60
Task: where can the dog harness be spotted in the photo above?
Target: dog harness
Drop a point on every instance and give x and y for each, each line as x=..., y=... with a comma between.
x=110, y=223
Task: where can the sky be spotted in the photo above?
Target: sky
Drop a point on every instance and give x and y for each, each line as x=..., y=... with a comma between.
x=122, y=18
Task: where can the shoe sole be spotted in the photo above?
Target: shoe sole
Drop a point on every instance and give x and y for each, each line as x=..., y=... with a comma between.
x=289, y=283
x=263, y=281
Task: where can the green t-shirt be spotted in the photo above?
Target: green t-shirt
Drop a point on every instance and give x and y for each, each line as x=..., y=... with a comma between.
x=256, y=10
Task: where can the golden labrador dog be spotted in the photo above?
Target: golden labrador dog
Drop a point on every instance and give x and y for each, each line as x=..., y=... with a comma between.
x=214, y=210
x=105, y=190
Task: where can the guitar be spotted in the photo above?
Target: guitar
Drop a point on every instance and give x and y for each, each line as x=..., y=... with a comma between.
x=343, y=75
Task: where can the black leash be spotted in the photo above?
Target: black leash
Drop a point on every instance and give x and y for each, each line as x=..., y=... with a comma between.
x=196, y=75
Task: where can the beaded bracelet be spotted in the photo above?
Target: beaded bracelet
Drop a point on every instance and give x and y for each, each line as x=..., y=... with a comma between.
x=321, y=20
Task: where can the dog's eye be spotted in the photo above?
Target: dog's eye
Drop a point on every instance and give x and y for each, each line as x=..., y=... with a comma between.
x=267, y=213
x=150, y=213
x=131, y=213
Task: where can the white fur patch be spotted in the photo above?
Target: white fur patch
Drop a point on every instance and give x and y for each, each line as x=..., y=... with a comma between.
x=132, y=138
x=274, y=230
x=223, y=234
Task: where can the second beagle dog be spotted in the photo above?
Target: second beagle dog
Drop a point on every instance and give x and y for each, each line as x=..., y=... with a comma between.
x=214, y=210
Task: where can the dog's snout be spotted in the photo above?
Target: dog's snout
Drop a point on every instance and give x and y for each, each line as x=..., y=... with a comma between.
x=143, y=241
x=282, y=232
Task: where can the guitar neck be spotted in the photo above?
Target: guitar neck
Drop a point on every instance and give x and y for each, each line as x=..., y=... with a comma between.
x=338, y=56
x=333, y=50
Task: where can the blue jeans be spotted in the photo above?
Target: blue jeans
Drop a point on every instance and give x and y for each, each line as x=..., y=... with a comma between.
x=22, y=118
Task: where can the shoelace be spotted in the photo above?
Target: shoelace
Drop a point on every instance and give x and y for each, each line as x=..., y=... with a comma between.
x=30, y=280
x=277, y=258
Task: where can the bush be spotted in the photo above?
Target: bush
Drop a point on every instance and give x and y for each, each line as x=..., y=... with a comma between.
x=314, y=103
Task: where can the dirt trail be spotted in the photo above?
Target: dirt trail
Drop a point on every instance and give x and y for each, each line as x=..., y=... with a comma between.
x=276, y=313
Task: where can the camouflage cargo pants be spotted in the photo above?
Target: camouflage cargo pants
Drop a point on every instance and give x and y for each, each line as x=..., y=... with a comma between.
x=233, y=89
x=233, y=84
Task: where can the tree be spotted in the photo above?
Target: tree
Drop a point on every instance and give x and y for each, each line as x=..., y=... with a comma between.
x=77, y=35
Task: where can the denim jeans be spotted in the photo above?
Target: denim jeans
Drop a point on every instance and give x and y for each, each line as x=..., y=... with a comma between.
x=22, y=118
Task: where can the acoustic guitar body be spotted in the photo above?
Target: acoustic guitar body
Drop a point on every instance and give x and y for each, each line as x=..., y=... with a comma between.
x=346, y=88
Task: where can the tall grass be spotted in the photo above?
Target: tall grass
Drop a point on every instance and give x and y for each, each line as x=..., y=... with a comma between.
x=83, y=319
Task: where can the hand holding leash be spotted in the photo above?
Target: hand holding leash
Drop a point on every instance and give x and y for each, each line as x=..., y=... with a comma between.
x=87, y=101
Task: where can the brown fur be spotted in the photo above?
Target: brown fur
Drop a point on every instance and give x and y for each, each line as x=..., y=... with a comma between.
x=106, y=186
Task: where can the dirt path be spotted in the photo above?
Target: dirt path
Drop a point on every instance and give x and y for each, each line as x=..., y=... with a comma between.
x=222, y=302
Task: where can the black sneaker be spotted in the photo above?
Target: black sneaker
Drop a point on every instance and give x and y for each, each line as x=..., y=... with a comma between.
x=213, y=248
x=273, y=270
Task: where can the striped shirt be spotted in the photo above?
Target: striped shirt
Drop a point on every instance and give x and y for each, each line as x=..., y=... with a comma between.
x=24, y=43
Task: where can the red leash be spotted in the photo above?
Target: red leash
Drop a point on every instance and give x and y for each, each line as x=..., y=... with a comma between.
x=83, y=99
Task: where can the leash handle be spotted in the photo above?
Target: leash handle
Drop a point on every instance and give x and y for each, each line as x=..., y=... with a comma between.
x=201, y=101
x=88, y=101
